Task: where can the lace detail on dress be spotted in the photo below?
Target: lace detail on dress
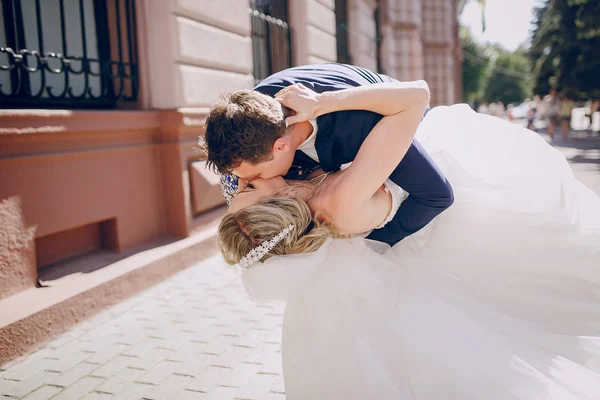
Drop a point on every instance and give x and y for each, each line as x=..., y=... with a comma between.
x=398, y=196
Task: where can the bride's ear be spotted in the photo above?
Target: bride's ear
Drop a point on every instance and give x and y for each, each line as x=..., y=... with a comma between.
x=323, y=218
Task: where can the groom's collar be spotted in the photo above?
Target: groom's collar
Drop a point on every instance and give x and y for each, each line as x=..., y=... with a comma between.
x=308, y=146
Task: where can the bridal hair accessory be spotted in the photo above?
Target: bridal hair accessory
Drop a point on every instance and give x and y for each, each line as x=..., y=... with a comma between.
x=261, y=250
x=229, y=187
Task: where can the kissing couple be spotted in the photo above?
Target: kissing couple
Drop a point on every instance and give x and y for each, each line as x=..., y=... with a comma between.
x=422, y=254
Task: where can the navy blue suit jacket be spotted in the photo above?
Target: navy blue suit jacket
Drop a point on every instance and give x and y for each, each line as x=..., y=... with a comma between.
x=341, y=134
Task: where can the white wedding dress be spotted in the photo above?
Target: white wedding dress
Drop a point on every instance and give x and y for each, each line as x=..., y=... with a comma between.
x=497, y=298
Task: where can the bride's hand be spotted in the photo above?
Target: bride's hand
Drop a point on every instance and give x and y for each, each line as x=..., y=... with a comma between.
x=304, y=101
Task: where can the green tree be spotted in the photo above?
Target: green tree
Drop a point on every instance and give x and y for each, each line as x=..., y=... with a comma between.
x=509, y=80
x=474, y=66
x=565, y=47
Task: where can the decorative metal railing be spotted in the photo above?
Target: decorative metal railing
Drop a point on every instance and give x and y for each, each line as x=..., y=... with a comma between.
x=68, y=53
x=341, y=31
x=270, y=33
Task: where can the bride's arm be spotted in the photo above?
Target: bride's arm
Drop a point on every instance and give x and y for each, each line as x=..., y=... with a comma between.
x=402, y=105
x=387, y=99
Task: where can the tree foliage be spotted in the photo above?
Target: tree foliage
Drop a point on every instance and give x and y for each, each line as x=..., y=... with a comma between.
x=491, y=73
x=509, y=80
x=565, y=46
x=474, y=66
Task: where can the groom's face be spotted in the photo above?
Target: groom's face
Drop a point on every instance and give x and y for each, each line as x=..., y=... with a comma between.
x=277, y=165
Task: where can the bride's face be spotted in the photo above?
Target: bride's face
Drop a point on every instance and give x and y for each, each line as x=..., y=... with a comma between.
x=250, y=192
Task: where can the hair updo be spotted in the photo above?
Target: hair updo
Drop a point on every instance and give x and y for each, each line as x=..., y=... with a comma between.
x=251, y=226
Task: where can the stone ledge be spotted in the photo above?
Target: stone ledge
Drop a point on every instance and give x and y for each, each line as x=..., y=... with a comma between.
x=36, y=132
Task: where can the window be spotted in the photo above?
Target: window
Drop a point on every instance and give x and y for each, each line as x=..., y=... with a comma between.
x=68, y=53
x=341, y=31
x=378, y=35
x=271, y=47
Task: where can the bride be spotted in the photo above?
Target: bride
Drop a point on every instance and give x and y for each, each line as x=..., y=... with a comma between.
x=497, y=298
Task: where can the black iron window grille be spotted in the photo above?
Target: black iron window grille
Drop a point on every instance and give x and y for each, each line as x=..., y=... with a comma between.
x=378, y=36
x=68, y=53
x=341, y=31
x=271, y=48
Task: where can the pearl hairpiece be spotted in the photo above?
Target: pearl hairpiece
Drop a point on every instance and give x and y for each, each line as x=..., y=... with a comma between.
x=257, y=253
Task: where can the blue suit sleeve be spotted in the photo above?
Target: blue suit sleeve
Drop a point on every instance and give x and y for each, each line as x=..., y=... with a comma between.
x=429, y=191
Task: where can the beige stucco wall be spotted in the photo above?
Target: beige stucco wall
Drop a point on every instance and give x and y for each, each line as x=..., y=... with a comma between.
x=362, y=44
x=313, y=31
x=197, y=51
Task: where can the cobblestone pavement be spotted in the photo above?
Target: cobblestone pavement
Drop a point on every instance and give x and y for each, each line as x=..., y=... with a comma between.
x=196, y=335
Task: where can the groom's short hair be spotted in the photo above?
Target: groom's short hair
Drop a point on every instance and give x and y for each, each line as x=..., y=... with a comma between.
x=242, y=126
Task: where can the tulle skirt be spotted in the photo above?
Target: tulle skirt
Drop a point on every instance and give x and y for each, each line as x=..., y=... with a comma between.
x=497, y=298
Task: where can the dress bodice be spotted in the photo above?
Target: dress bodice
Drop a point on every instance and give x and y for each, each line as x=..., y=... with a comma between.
x=398, y=196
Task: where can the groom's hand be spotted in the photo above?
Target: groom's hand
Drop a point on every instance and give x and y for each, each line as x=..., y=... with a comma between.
x=302, y=100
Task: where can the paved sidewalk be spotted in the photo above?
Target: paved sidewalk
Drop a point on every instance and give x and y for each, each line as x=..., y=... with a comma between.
x=584, y=156
x=194, y=336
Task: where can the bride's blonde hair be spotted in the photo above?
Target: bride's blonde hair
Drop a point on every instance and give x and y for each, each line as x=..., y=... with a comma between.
x=240, y=232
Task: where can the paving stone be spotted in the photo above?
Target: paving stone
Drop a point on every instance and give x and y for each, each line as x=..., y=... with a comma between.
x=97, y=396
x=159, y=372
x=26, y=370
x=219, y=343
x=64, y=339
x=257, y=387
x=103, y=353
x=269, y=322
x=274, y=365
x=208, y=379
x=275, y=334
x=151, y=358
x=73, y=375
x=79, y=388
x=262, y=352
x=273, y=396
x=221, y=393
x=188, y=350
x=68, y=360
x=134, y=391
x=112, y=367
x=7, y=386
x=196, y=364
x=141, y=349
x=251, y=338
x=43, y=393
x=278, y=386
x=172, y=388
x=238, y=328
x=120, y=380
x=232, y=356
x=240, y=375
x=191, y=395
x=32, y=383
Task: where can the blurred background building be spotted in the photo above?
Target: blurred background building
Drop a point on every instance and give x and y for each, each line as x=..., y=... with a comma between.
x=103, y=102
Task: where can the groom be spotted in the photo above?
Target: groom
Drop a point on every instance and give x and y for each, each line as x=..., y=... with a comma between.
x=246, y=135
